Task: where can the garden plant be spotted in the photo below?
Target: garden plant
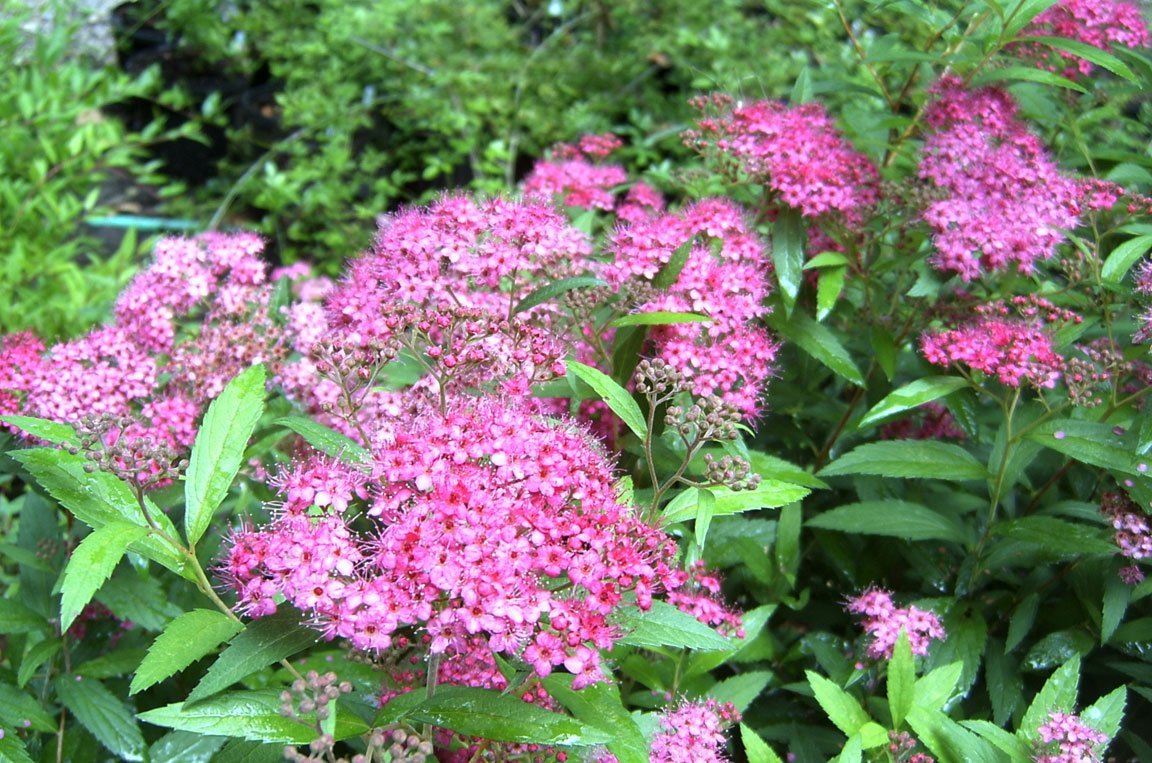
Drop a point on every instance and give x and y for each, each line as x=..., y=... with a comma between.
x=826, y=439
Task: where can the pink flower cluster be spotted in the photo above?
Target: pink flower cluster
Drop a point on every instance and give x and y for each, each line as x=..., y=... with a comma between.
x=883, y=622
x=1099, y=23
x=691, y=732
x=142, y=366
x=796, y=151
x=574, y=178
x=486, y=523
x=1011, y=343
x=1067, y=739
x=724, y=278
x=931, y=421
x=701, y=598
x=1133, y=531
x=1002, y=200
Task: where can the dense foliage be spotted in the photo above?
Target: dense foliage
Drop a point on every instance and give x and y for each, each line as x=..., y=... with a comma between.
x=825, y=437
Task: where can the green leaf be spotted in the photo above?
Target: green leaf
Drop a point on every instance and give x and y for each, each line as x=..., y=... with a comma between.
x=1094, y=55
x=1002, y=678
x=935, y=689
x=326, y=440
x=111, y=665
x=20, y=710
x=828, y=288
x=599, y=705
x=1023, y=15
x=1123, y=257
x=1058, y=693
x=901, y=680
x=894, y=518
x=263, y=642
x=99, y=711
x=788, y=253
x=92, y=563
x=12, y=750
x=909, y=459
x=1016, y=750
x=840, y=706
x=658, y=318
x=245, y=751
x=185, y=640
x=45, y=429
x=99, y=498
x=826, y=260
x=705, y=510
x=911, y=396
x=34, y=658
x=1117, y=594
x=251, y=715
x=503, y=718
x=802, y=89
x=817, y=340
x=1058, y=538
x=769, y=494
x=614, y=395
x=741, y=689
x=787, y=551
x=550, y=291
x=186, y=746
x=665, y=625
x=1026, y=74
x=1021, y=621
x=755, y=748
x=670, y=272
x=219, y=448
x=1107, y=713
x=17, y=618
x=773, y=468
x=948, y=740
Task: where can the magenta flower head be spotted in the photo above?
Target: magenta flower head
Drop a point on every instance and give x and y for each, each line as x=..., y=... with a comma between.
x=1099, y=23
x=795, y=150
x=690, y=732
x=1065, y=738
x=1001, y=200
x=883, y=622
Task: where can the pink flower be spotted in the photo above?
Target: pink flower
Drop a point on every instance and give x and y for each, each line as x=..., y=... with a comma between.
x=795, y=150
x=1065, y=738
x=884, y=621
x=1099, y=23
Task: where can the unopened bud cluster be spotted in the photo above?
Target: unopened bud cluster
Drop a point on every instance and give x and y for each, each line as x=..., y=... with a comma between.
x=121, y=446
x=310, y=701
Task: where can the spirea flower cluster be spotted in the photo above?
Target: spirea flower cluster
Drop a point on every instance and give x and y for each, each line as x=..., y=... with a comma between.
x=1066, y=738
x=1011, y=342
x=191, y=320
x=1002, y=202
x=1099, y=23
x=724, y=277
x=794, y=150
x=1133, y=531
x=883, y=622
x=690, y=732
x=486, y=522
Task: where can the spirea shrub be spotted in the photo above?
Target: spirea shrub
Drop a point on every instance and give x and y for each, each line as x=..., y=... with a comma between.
x=831, y=443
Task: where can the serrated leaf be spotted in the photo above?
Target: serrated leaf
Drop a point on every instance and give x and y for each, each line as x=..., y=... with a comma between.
x=99, y=498
x=769, y=494
x=1008, y=743
x=186, y=746
x=99, y=711
x=773, y=468
x=670, y=272
x=1057, y=537
x=741, y=689
x=658, y=318
x=244, y=751
x=819, y=342
x=755, y=748
x=911, y=396
x=263, y=642
x=788, y=253
x=111, y=665
x=826, y=260
x=34, y=658
x=186, y=639
x=326, y=440
x=1023, y=616
x=617, y=398
x=1107, y=713
x=948, y=740
x=1088, y=442
x=909, y=459
x=12, y=750
x=1123, y=257
x=92, y=563
x=503, y=718
x=840, y=706
x=1002, y=677
x=666, y=626
x=251, y=715
x=1026, y=74
x=20, y=710
x=901, y=680
x=828, y=288
x=893, y=518
x=1058, y=693
x=1057, y=648
x=1117, y=594
x=1023, y=15
x=552, y=290
x=600, y=705
x=1089, y=53
x=219, y=448
x=937, y=686
x=44, y=429
x=17, y=618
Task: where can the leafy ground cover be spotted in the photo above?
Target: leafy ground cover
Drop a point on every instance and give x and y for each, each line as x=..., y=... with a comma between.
x=825, y=438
